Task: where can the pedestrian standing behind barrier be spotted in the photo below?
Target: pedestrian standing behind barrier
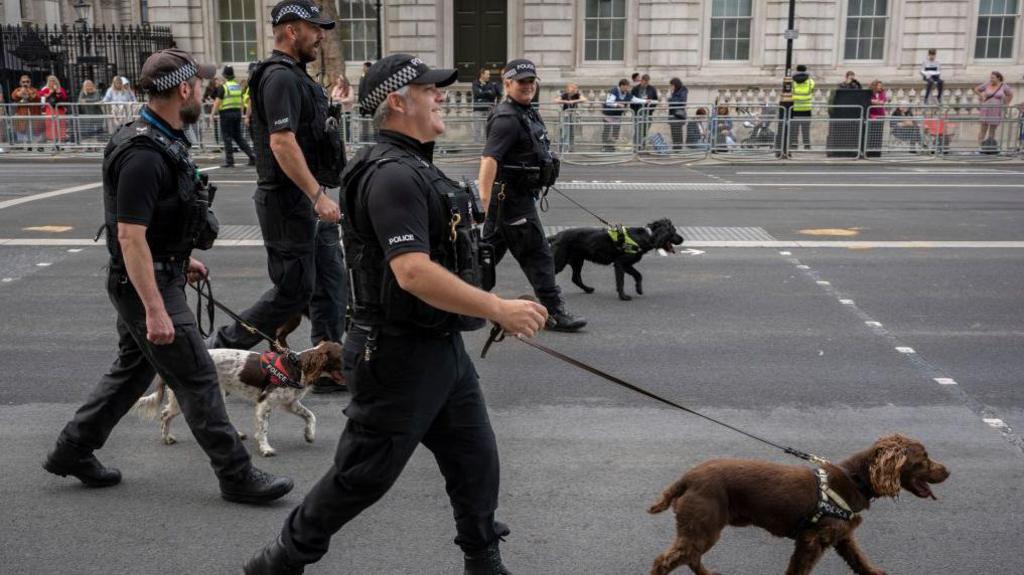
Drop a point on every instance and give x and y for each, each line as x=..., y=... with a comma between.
x=156, y=208
x=647, y=95
x=299, y=155
x=570, y=100
x=517, y=164
x=613, y=108
x=677, y=111
x=803, y=95
x=417, y=268
x=228, y=102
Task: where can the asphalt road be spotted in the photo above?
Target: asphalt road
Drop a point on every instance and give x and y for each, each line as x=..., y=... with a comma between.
x=824, y=303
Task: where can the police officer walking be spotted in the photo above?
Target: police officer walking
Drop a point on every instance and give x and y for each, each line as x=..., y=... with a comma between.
x=156, y=211
x=299, y=155
x=228, y=102
x=412, y=247
x=517, y=163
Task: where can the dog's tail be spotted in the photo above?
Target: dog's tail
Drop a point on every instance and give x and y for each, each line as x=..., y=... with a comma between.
x=674, y=491
x=148, y=407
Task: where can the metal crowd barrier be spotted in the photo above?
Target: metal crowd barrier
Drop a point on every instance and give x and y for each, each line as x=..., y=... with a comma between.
x=587, y=134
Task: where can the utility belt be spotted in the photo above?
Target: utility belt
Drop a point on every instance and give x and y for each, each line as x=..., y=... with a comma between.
x=531, y=178
x=176, y=265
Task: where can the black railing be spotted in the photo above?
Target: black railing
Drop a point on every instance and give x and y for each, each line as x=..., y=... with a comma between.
x=77, y=53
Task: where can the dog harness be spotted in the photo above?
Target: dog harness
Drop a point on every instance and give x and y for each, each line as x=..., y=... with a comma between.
x=277, y=370
x=620, y=236
x=830, y=503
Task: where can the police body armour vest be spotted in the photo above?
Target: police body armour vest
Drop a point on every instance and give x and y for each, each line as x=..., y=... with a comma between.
x=318, y=135
x=540, y=157
x=454, y=240
x=170, y=232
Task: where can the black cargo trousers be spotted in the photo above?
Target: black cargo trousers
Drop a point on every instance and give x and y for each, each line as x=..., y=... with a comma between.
x=289, y=228
x=524, y=237
x=414, y=389
x=184, y=364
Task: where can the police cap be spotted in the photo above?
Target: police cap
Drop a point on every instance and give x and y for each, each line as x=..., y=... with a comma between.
x=393, y=72
x=519, y=69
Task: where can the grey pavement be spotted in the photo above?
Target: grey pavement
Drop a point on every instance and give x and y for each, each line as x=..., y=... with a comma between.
x=749, y=335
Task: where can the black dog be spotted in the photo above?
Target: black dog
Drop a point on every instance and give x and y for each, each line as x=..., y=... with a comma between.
x=603, y=246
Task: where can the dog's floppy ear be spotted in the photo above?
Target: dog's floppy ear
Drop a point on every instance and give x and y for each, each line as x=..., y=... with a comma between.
x=890, y=454
x=312, y=362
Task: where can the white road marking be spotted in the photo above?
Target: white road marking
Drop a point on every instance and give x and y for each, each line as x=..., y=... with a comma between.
x=75, y=250
x=874, y=323
x=906, y=350
x=7, y=280
x=846, y=301
x=803, y=267
x=945, y=381
x=44, y=264
x=63, y=191
x=785, y=253
x=994, y=422
x=933, y=173
x=823, y=283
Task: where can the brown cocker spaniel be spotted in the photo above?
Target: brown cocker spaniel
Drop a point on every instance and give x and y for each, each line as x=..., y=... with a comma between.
x=783, y=499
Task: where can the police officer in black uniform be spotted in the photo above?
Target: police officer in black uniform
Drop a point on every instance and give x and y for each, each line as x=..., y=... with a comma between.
x=517, y=164
x=414, y=254
x=299, y=155
x=156, y=208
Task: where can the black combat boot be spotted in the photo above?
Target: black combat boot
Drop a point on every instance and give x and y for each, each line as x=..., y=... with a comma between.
x=65, y=460
x=271, y=560
x=487, y=561
x=561, y=320
x=254, y=486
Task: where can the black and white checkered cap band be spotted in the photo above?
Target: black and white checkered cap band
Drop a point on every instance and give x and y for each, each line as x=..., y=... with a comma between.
x=174, y=78
x=396, y=81
x=294, y=9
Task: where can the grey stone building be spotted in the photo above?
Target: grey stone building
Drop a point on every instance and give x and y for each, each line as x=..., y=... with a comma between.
x=712, y=45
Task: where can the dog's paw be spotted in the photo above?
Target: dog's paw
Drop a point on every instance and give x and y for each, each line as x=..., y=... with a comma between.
x=267, y=451
x=876, y=571
x=241, y=435
x=588, y=290
x=625, y=297
x=639, y=289
x=170, y=440
x=309, y=435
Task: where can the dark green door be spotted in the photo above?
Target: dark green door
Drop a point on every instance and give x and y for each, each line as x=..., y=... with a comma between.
x=480, y=36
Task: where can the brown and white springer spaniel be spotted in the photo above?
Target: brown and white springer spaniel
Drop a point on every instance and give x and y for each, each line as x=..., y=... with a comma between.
x=265, y=378
x=782, y=498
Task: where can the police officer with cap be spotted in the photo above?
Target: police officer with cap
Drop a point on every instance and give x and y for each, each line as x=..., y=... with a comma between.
x=229, y=103
x=414, y=255
x=156, y=211
x=299, y=155
x=517, y=164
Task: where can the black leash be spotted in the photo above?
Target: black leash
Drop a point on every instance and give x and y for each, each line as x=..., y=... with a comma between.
x=497, y=334
x=579, y=205
x=204, y=289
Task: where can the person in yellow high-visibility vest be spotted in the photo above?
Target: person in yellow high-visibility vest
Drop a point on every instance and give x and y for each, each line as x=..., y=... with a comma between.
x=803, y=93
x=228, y=102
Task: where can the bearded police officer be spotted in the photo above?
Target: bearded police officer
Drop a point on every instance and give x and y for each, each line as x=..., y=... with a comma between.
x=156, y=208
x=414, y=255
x=229, y=103
x=299, y=156
x=517, y=164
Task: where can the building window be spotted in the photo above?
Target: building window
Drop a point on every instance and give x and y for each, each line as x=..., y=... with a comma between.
x=605, y=30
x=144, y=11
x=730, y=29
x=237, y=30
x=865, y=29
x=358, y=29
x=997, y=20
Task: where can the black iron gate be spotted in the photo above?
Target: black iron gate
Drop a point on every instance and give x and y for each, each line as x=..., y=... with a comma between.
x=77, y=53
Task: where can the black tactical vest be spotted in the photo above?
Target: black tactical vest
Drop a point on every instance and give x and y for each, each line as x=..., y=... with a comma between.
x=532, y=169
x=453, y=212
x=181, y=221
x=319, y=135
